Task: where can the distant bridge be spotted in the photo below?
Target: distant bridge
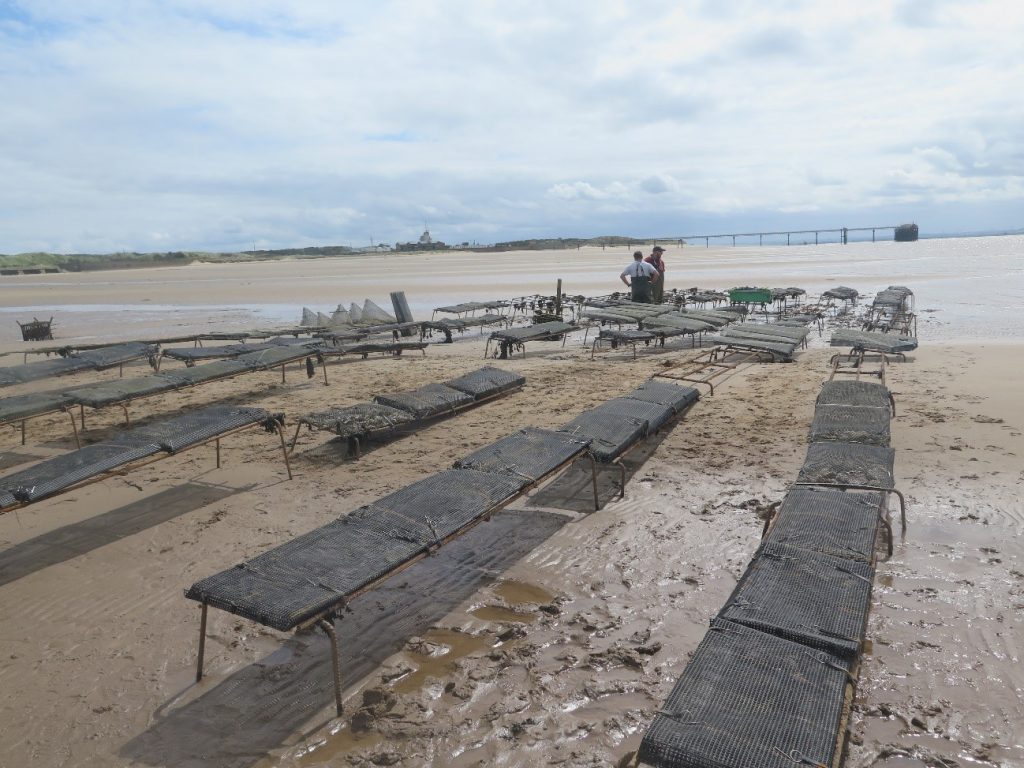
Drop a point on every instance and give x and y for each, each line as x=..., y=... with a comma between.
x=843, y=233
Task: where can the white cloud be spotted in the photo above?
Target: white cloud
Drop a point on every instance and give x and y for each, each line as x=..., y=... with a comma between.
x=318, y=122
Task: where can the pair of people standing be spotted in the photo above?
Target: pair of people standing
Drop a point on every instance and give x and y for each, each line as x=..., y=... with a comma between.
x=646, y=276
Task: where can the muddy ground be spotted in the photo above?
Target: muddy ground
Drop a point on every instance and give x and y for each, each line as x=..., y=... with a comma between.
x=548, y=636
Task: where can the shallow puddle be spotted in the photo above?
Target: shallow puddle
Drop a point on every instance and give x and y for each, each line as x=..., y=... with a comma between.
x=497, y=613
x=518, y=593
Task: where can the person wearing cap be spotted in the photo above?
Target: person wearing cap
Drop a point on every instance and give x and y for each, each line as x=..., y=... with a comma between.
x=641, y=275
x=655, y=260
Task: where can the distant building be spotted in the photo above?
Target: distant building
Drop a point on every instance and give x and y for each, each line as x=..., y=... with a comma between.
x=425, y=243
x=905, y=233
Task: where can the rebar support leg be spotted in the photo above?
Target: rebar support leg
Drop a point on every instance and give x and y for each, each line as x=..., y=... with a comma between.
x=74, y=430
x=23, y=429
x=216, y=444
x=328, y=629
x=202, y=644
x=295, y=437
x=903, y=512
x=888, y=534
x=284, y=451
x=593, y=481
x=622, y=479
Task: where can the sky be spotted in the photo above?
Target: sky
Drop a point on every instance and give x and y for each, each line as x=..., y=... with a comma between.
x=130, y=125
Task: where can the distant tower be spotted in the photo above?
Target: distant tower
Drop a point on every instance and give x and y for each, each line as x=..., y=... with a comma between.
x=425, y=238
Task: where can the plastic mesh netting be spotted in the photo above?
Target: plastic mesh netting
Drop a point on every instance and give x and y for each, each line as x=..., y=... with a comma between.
x=625, y=335
x=610, y=435
x=7, y=499
x=486, y=381
x=840, y=523
x=665, y=393
x=654, y=414
x=273, y=356
x=841, y=292
x=893, y=297
x=851, y=424
x=56, y=474
x=749, y=699
x=848, y=464
x=26, y=406
x=668, y=331
x=110, y=392
x=193, y=354
x=640, y=311
x=306, y=576
x=715, y=317
x=356, y=420
x=772, y=330
x=107, y=357
x=534, y=332
x=530, y=454
x=431, y=400
x=313, y=573
x=778, y=350
x=445, y=324
x=43, y=369
x=609, y=316
x=684, y=324
x=384, y=347
x=850, y=392
x=739, y=337
x=469, y=306
x=194, y=427
x=439, y=505
x=871, y=341
x=206, y=372
x=817, y=600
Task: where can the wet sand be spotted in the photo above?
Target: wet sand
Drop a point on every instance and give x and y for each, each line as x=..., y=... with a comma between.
x=548, y=636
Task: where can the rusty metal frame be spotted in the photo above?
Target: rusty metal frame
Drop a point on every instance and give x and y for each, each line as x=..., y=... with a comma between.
x=714, y=367
x=854, y=361
x=14, y=423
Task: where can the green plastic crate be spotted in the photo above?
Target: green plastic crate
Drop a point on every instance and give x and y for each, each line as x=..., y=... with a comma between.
x=750, y=295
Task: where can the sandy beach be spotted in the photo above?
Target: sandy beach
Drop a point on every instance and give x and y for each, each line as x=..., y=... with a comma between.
x=551, y=634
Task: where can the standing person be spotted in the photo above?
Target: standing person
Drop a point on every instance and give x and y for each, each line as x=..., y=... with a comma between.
x=641, y=276
x=655, y=260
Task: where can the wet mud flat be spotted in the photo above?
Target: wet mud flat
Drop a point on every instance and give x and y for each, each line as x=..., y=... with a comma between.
x=575, y=679
x=548, y=636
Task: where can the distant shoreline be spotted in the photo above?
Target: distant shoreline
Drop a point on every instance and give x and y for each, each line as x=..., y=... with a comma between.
x=49, y=263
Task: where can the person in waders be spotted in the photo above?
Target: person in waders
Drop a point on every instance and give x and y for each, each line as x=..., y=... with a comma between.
x=655, y=260
x=641, y=275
